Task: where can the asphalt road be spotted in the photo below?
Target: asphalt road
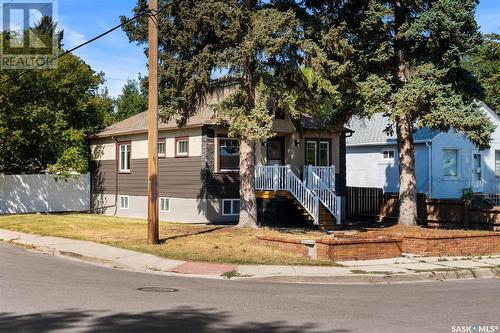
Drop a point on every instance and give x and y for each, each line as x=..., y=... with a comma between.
x=41, y=293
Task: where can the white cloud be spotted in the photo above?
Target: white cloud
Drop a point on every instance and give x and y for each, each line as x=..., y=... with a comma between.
x=72, y=37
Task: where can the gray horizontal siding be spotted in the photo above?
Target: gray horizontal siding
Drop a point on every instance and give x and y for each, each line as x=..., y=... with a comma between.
x=177, y=177
x=223, y=185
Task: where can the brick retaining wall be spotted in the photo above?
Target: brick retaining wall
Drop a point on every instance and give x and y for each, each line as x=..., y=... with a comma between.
x=359, y=248
x=366, y=247
x=457, y=245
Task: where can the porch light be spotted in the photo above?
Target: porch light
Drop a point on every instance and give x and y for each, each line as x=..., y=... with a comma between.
x=297, y=143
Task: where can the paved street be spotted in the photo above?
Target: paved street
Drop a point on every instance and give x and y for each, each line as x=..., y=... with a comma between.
x=40, y=293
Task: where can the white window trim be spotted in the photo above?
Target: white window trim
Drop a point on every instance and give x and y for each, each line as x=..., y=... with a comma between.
x=327, y=153
x=231, y=205
x=127, y=152
x=384, y=160
x=315, y=151
x=169, y=204
x=163, y=141
x=120, y=200
x=495, y=162
x=178, y=153
x=459, y=161
x=218, y=155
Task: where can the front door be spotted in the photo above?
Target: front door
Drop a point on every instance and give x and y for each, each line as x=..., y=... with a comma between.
x=276, y=151
x=477, y=177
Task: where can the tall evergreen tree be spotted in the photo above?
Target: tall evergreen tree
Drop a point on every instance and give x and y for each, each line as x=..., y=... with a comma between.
x=132, y=100
x=405, y=56
x=486, y=67
x=252, y=44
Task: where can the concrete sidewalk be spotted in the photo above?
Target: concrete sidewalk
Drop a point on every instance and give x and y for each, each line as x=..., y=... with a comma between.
x=364, y=271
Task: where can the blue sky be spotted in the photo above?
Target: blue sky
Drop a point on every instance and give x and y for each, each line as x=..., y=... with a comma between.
x=120, y=60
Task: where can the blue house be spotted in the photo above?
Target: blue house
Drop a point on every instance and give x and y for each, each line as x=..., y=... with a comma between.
x=445, y=162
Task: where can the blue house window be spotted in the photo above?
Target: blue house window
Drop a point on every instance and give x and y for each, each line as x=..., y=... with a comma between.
x=450, y=162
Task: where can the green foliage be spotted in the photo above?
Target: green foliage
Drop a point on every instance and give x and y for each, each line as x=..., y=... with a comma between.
x=486, y=67
x=404, y=61
x=257, y=124
x=46, y=116
x=467, y=193
x=208, y=45
x=132, y=100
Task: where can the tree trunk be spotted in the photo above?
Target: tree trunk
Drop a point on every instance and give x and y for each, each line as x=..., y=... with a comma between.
x=407, y=179
x=248, y=202
x=404, y=125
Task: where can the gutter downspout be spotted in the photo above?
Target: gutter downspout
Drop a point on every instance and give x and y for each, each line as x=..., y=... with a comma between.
x=429, y=186
x=116, y=175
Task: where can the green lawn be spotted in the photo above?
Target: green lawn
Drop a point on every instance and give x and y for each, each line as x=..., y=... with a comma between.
x=179, y=241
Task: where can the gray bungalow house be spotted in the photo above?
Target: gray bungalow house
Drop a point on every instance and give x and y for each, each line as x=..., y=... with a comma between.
x=303, y=165
x=445, y=162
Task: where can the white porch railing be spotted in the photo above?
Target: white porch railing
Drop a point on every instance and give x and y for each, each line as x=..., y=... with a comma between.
x=326, y=174
x=325, y=194
x=282, y=178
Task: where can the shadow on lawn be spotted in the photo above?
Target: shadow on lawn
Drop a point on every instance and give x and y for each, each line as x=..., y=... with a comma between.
x=181, y=319
x=164, y=240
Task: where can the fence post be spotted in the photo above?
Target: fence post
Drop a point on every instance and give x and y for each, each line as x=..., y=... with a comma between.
x=467, y=205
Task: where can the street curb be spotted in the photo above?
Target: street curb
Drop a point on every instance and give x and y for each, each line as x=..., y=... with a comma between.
x=368, y=278
x=461, y=274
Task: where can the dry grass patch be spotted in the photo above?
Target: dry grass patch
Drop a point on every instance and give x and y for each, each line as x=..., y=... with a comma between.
x=179, y=241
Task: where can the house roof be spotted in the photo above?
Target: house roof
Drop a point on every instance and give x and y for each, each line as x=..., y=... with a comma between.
x=203, y=116
x=373, y=130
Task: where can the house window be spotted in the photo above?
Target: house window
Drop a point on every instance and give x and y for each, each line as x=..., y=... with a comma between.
x=324, y=153
x=229, y=154
x=181, y=147
x=161, y=148
x=497, y=163
x=388, y=155
x=231, y=207
x=124, y=157
x=124, y=201
x=311, y=152
x=165, y=205
x=450, y=162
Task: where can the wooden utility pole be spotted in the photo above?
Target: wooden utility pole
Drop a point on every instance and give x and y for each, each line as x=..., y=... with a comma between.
x=153, y=217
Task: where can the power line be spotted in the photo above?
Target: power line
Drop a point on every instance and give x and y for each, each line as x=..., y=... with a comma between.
x=89, y=41
x=7, y=3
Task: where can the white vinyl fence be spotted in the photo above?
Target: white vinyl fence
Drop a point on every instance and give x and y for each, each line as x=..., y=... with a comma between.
x=42, y=193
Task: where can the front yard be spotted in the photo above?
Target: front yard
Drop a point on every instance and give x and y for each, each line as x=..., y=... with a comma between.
x=179, y=241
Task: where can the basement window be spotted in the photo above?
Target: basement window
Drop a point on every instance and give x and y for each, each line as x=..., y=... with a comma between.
x=230, y=207
x=124, y=201
x=164, y=205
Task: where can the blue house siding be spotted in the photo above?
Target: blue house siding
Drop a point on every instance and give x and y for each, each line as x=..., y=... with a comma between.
x=365, y=167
